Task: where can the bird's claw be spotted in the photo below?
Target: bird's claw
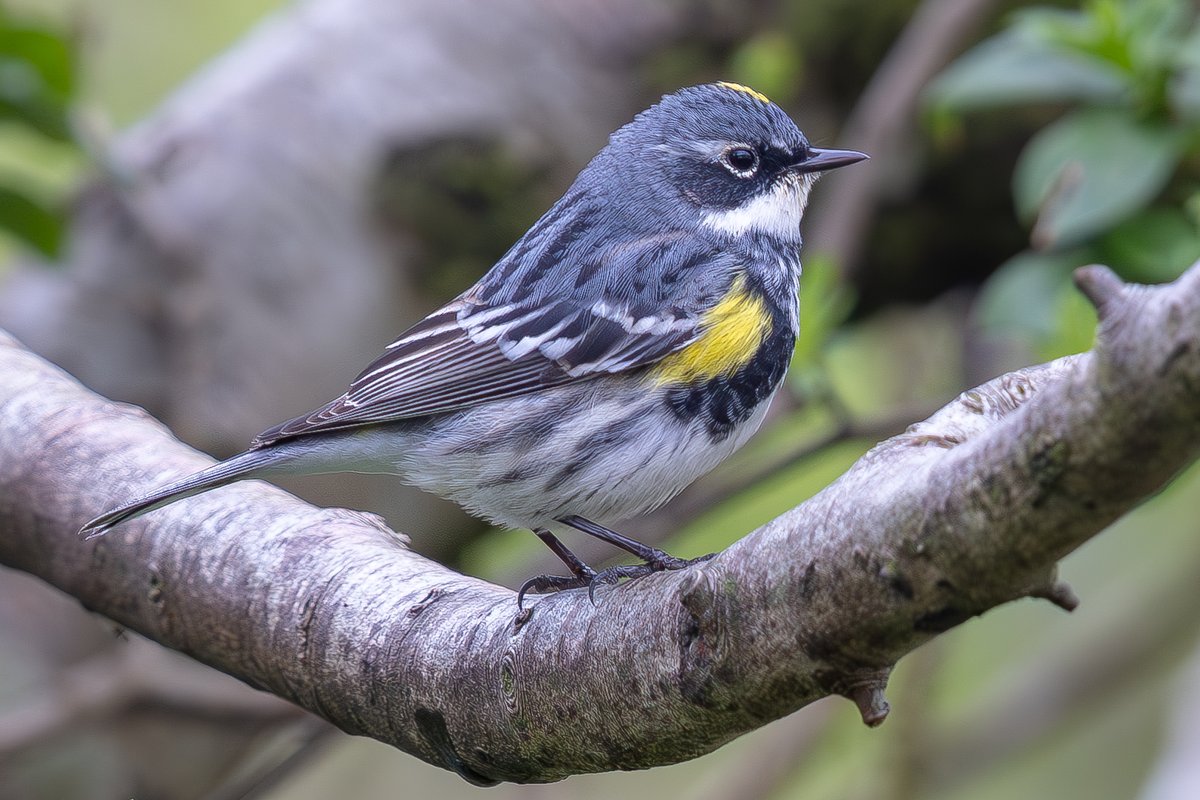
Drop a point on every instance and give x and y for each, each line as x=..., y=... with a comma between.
x=612, y=575
x=541, y=584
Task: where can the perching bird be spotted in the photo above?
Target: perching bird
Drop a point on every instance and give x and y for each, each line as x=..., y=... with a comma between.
x=628, y=343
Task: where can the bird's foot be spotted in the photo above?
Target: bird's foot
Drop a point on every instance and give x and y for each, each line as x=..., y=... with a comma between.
x=654, y=560
x=542, y=584
x=662, y=562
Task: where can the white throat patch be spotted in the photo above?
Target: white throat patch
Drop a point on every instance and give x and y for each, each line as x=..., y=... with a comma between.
x=776, y=213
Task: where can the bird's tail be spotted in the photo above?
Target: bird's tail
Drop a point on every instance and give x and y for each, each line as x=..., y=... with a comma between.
x=252, y=463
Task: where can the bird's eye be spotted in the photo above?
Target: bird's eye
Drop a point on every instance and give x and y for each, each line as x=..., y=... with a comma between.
x=741, y=161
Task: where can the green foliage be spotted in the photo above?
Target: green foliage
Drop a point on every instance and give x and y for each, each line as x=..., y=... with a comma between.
x=1023, y=294
x=825, y=303
x=1015, y=67
x=1115, y=178
x=770, y=62
x=1092, y=170
x=30, y=221
x=1155, y=245
x=37, y=86
x=1139, y=54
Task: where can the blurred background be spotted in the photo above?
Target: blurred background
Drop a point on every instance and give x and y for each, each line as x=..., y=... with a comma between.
x=220, y=210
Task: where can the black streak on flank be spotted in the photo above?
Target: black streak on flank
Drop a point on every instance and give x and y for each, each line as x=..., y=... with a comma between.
x=726, y=402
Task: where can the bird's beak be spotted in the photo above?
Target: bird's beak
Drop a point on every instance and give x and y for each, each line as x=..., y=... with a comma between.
x=819, y=160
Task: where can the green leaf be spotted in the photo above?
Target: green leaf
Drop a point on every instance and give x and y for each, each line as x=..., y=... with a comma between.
x=1075, y=326
x=1184, y=91
x=1031, y=296
x=1013, y=68
x=44, y=51
x=30, y=222
x=1157, y=31
x=37, y=78
x=1152, y=247
x=1021, y=296
x=1097, y=31
x=1091, y=170
x=39, y=112
x=825, y=303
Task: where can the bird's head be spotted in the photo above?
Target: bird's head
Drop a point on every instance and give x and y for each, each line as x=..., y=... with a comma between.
x=729, y=153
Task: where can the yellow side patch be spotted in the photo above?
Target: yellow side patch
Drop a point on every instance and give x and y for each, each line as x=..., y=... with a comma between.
x=734, y=329
x=737, y=87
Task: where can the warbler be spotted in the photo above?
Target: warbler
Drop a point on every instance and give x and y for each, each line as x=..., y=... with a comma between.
x=627, y=343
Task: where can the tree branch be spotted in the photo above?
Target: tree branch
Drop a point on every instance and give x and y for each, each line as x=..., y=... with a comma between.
x=964, y=511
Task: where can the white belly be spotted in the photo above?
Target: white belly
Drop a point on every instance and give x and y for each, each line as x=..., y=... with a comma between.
x=527, y=461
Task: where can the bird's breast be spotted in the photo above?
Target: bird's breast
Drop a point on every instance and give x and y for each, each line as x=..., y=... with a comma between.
x=733, y=367
x=732, y=333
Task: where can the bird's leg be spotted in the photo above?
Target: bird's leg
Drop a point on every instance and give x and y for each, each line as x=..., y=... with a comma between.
x=655, y=560
x=582, y=574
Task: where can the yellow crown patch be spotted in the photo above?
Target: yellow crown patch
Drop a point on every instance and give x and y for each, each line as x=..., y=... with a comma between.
x=737, y=87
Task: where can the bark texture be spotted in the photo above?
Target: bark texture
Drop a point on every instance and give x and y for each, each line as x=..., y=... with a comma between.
x=968, y=509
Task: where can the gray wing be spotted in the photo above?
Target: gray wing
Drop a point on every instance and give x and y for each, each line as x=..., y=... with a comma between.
x=547, y=314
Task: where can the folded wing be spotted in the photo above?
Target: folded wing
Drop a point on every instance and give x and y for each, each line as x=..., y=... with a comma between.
x=523, y=331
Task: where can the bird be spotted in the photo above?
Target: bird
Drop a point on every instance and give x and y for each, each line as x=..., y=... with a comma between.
x=625, y=345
